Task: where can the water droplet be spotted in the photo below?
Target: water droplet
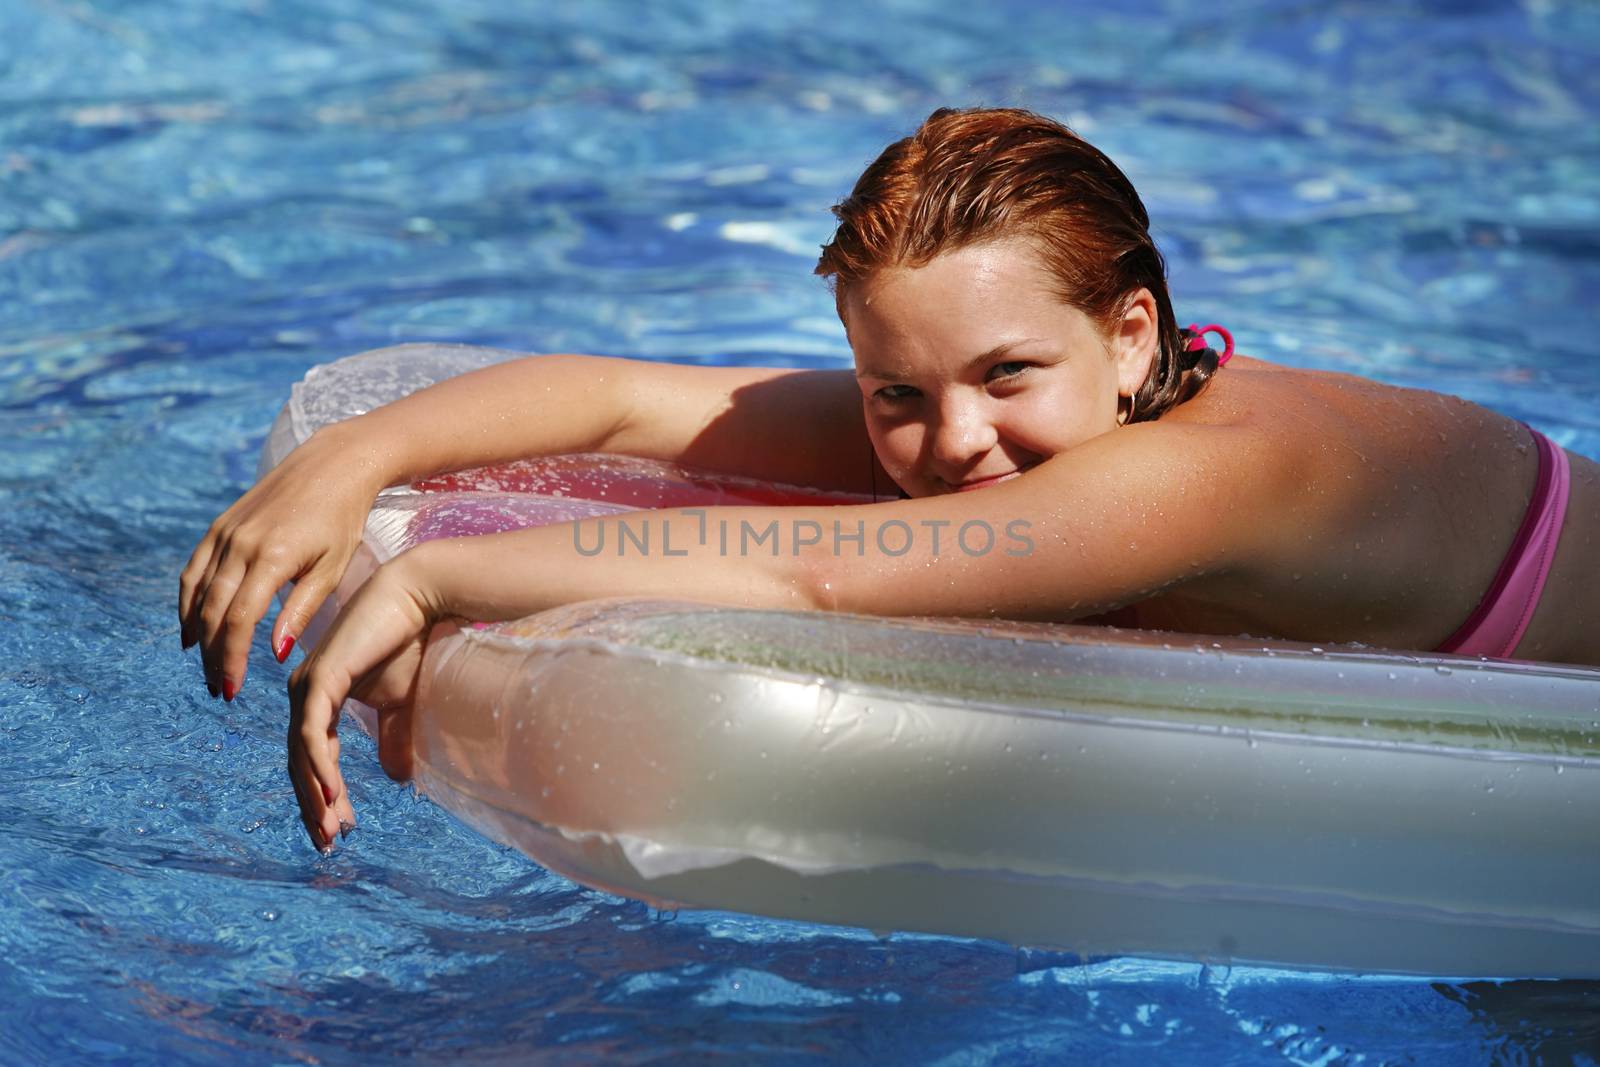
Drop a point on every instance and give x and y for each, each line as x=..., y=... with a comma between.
x=1441, y=669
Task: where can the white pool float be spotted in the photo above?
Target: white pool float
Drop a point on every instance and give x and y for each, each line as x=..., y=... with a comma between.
x=1107, y=792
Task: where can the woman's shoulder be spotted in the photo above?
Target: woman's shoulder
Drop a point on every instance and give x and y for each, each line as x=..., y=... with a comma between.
x=1309, y=455
x=1318, y=416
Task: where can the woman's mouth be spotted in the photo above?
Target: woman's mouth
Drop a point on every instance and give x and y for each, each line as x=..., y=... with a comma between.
x=979, y=483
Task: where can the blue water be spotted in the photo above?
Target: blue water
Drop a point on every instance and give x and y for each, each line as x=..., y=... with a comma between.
x=201, y=199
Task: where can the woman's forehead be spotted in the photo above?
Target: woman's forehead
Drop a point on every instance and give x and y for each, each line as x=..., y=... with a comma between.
x=957, y=307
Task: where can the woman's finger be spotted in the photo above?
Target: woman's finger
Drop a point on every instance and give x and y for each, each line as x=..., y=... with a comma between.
x=222, y=549
x=190, y=586
x=338, y=817
x=322, y=820
x=344, y=814
x=300, y=606
x=218, y=598
x=318, y=731
x=305, y=795
x=314, y=749
x=191, y=622
x=249, y=605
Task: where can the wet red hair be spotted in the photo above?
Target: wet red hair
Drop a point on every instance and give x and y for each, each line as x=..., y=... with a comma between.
x=969, y=176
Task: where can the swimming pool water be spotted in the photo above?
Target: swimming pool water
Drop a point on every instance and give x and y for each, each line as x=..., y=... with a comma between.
x=200, y=200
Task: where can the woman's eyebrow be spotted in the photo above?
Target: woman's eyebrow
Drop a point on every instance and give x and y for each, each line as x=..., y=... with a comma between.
x=997, y=351
x=971, y=364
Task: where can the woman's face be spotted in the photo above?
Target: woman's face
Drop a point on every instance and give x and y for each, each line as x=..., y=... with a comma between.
x=973, y=370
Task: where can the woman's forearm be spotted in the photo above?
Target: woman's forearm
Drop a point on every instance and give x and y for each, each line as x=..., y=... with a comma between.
x=539, y=405
x=637, y=554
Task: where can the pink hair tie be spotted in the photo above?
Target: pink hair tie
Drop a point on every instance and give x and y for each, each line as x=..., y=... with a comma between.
x=1199, y=341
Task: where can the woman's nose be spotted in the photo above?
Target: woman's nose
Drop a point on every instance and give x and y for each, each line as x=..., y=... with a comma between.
x=963, y=434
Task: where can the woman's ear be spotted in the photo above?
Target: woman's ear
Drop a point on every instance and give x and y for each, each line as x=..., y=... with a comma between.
x=1135, y=340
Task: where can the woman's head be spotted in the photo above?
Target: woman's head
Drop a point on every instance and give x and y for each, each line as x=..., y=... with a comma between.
x=1009, y=190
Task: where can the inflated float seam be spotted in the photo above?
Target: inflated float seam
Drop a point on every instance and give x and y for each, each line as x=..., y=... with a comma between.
x=1378, y=658
x=525, y=644
x=562, y=645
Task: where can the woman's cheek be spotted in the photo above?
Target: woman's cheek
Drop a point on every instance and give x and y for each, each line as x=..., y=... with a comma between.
x=1063, y=423
x=898, y=447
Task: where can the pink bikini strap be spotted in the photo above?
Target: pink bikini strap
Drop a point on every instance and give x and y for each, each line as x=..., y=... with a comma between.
x=1199, y=341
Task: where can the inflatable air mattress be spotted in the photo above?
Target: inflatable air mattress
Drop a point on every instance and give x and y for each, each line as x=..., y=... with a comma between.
x=1101, y=791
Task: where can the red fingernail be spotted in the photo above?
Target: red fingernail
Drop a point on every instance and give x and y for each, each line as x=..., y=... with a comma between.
x=230, y=689
x=285, y=647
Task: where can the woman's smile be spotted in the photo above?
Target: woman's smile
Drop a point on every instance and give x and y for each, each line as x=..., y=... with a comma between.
x=978, y=483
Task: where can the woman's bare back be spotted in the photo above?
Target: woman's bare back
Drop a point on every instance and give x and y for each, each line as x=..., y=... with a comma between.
x=1402, y=504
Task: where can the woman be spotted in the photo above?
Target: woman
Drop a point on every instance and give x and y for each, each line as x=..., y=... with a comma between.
x=1018, y=371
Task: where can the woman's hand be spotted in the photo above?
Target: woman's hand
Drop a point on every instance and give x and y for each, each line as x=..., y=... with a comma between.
x=300, y=523
x=372, y=652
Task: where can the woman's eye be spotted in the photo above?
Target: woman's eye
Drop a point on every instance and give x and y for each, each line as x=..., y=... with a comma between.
x=1008, y=369
x=895, y=392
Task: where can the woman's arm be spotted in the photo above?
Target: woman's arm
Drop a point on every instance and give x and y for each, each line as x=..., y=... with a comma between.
x=779, y=424
x=302, y=522
x=1112, y=522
